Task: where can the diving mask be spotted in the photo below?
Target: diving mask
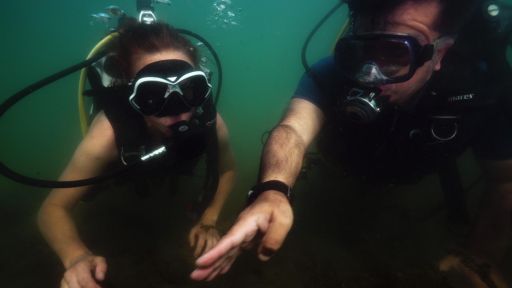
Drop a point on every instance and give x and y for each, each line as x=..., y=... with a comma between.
x=168, y=87
x=374, y=59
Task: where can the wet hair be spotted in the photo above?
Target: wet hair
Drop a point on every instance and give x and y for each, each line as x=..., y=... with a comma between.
x=453, y=14
x=136, y=39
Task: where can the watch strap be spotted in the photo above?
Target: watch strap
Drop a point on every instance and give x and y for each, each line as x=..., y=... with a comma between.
x=274, y=185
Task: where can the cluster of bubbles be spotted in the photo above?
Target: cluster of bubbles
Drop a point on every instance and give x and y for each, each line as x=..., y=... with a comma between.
x=165, y=2
x=101, y=18
x=111, y=14
x=224, y=15
x=204, y=62
x=107, y=18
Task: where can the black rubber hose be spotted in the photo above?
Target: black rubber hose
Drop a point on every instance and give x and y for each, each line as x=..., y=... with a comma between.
x=17, y=177
x=313, y=32
x=215, y=56
x=7, y=104
x=306, y=45
x=11, y=101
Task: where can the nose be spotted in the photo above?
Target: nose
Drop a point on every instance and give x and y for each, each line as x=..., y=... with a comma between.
x=170, y=120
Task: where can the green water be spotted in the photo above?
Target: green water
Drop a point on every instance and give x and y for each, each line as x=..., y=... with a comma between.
x=260, y=58
x=261, y=62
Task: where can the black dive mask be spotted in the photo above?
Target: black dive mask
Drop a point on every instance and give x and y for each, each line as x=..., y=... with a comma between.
x=167, y=88
x=374, y=59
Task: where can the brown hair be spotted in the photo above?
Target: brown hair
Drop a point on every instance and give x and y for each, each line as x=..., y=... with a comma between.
x=138, y=38
x=453, y=14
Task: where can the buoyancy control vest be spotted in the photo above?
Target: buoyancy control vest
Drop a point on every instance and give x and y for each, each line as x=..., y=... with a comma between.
x=189, y=141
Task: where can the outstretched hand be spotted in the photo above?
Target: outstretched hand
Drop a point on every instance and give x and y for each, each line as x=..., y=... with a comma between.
x=270, y=216
x=86, y=272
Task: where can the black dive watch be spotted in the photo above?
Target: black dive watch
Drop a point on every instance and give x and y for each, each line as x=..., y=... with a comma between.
x=274, y=185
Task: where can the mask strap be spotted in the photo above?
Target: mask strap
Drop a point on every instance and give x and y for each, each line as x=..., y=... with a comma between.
x=441, y=42
x=427, y=53
x=444, y=41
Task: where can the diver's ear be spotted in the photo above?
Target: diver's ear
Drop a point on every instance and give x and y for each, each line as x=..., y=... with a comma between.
x=442, y=46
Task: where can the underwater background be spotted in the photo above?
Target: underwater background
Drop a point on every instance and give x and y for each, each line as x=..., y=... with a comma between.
x=389, y=238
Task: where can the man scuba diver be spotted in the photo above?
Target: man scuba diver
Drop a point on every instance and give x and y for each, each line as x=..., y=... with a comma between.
x=160, y=104
x=398, y=99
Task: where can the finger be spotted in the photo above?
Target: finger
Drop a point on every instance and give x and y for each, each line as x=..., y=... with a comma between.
x=228, y=265
x=209, y=244
x=217, y=270
x=71, y=281
x=274, y=238
x=224, y=246
x=214, y=274
x=214, y=239
x=248, y=245
x=225, y=263
x=201, y=242
x=203, y=273
x=85, y=280
x=237, y=234
x=214, y=233
x=63, y=284
x=81, y=275
x=100, y=269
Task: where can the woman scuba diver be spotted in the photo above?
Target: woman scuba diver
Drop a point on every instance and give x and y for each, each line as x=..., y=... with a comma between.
x=161, y=99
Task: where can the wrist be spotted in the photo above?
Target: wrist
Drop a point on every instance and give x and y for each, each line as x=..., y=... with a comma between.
x=209, y=217
x=75, y=258
x=272, y=196
x=272, y=185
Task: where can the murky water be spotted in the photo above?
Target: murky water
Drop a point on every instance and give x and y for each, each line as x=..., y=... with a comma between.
x=361, y=238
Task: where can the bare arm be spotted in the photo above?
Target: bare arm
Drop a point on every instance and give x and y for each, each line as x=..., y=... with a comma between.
x=95, y=151
x=204, y=234
x=270, y=215
x=285, y=149
x=226, y=173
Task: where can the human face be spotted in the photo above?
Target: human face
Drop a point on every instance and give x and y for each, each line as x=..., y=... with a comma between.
x=161, y=125
x=417, y=20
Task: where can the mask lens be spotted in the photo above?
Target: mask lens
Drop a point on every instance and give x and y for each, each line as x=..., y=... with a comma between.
x=150, y=97
x=153, y=95
x=195, y=90
x=392, y=56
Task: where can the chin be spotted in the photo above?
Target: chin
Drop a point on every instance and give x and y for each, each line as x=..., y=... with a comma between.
x=166, y=131
x=395, y=99
x=390, y=98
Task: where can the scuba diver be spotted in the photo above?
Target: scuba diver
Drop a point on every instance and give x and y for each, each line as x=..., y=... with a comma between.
x=401, y=97
x=159, y=102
